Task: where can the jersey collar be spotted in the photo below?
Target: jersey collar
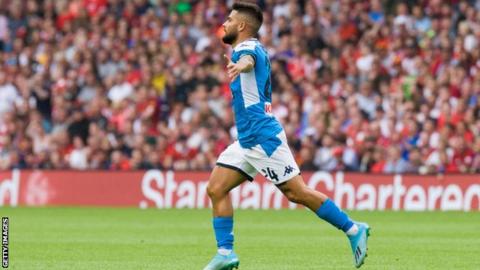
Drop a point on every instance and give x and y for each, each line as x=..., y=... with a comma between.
x=246, y=40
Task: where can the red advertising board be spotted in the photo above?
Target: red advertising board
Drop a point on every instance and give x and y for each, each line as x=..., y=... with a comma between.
x=167, y=189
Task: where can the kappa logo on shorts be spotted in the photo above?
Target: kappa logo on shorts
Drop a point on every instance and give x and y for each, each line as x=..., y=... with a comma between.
x=288, y=169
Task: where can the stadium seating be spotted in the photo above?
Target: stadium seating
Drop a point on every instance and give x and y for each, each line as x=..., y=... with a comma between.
x=370, y=86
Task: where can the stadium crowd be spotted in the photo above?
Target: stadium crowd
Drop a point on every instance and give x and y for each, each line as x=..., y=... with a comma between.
x=370, y=86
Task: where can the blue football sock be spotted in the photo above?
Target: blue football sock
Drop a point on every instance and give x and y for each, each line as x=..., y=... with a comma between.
x=223, y=227
x=329, y=212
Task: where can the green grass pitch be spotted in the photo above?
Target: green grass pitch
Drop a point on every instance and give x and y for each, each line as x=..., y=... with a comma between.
x=110, y=238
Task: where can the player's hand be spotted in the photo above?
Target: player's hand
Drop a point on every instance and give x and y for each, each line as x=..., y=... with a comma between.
x=233, y=70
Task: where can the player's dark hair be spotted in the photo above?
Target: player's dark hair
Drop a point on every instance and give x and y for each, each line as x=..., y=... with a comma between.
x=253, y=11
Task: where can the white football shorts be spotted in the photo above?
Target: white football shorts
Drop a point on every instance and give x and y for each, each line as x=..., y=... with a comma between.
x=278, y=168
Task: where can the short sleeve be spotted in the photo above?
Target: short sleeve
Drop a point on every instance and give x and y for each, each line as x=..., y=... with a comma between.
x=245, y=49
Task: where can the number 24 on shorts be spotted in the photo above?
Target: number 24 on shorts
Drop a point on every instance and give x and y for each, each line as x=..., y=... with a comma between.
x=269, y=173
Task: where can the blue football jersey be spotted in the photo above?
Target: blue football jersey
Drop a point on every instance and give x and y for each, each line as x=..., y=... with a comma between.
x=252, y=96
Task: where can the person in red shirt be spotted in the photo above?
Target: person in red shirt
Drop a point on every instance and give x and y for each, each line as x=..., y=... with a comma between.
x=476, y=160
x=463, y=156
x=378, y=160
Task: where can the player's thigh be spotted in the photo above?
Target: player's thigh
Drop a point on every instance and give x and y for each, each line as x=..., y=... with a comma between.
x=222, y=180
x=280, y=166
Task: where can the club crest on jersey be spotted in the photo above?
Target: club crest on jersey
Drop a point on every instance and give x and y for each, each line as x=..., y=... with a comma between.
x=268, y=108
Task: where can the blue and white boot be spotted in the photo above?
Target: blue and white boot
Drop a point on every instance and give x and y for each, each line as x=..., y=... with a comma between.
x=223, y=262
x=358, y=243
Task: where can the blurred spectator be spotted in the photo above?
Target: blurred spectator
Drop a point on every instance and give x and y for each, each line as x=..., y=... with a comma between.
x=370, y=85
x=78, y=156
x=395, y=162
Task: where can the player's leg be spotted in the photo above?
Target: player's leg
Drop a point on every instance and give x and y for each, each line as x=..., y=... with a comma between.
x=231, y=171
x=275, y=160
x=296, y=191
x=221, y=181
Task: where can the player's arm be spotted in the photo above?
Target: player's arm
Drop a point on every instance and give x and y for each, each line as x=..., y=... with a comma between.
x=244, y=64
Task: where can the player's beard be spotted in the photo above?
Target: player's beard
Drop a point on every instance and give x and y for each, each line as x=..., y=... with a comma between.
x=229, y=38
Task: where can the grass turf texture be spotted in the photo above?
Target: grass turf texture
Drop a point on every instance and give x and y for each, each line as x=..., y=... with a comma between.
x=104, y=238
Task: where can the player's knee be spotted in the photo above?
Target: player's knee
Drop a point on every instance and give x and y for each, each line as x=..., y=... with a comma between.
x=214, y=191
x=211, y=191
